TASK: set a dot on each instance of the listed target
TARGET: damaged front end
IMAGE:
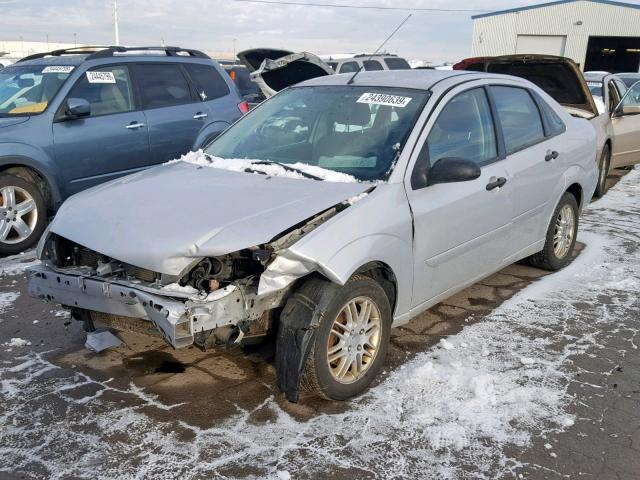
(224, 299)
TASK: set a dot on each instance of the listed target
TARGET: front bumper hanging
(178, 320)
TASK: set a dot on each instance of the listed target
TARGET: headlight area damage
(226, 299)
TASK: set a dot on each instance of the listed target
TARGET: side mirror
(451, 169)
(77, 107)
(630, 109)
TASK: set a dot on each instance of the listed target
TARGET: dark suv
(70, 119)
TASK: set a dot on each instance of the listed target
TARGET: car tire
(23, 214)
(603, 171)
(561, 236)
(331, 377)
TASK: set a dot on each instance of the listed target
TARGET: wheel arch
(384, 275)
(28, 169)
(577, 191)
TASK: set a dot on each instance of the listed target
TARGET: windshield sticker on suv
(58, 69)
(384, 99)
(101, 77)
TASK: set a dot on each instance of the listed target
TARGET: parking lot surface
(523, 375)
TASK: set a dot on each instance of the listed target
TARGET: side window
(348, 67)
(207, 81)
(464, 129)
(632, 97)
(107, 89)
(162, 85)
(372, 65)
(519, 117)
(553, 123)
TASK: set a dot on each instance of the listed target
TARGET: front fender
(20, 154)
(393, 251)
(208, 134)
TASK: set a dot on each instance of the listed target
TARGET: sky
(212, 25)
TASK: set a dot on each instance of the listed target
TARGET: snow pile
(17, 342)
(17, 264)
(272, 169)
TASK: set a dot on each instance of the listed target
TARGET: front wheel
(351, 342)
(23, 214)
(561, 236)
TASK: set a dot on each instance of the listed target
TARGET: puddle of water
(153, 361)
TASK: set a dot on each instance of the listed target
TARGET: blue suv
(71, 119)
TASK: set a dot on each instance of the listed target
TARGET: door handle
(200, 115)
(134, 125)
(497, 183)
(551, 156)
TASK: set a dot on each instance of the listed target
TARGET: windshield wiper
(288, 168)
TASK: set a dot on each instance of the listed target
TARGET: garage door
(541, 44)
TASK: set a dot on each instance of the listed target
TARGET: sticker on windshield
(58, 69)
(101, 77)
(384, 99)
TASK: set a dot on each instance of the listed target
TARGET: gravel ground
(523, 375)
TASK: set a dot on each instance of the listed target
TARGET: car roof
(417, 79)
(71, 60)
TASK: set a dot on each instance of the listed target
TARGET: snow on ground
(451, 412)
(273, 169)
(17, 264)
(6, 299)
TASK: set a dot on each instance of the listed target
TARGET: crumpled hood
(164, 218)
(8, 121)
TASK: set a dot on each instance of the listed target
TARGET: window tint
(349, 67)
(553, 123)
(372, 65)
(162, 85)
(464, 129)
(395, 63)
(107, 89)
(207, 81)
(519, 117)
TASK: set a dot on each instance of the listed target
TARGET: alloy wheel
(18, 214)
(565, 231)
(354, 340)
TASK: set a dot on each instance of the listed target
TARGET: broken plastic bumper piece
(177, 319)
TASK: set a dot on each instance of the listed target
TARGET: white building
(596, 34)
(17, 49)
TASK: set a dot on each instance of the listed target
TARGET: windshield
(595, 88)
(27, 90)
(359, 131)
(629, 80)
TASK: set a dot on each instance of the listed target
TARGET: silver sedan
(333, 211)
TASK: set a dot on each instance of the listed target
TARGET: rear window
(242, 79)
(162, 85)
(348, 67)
(519, 117)
(207, 81)
(395, 63)
(372, 65)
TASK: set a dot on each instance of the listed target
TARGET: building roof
(550, 4)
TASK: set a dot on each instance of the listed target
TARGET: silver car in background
(331, 212)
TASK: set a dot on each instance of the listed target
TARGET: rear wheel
(603, 167)
(23, 214)
(351, 342)
(561, 236)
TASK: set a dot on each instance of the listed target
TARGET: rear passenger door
(535, 156)
(174, 114)
(220, 105)
(111, 141)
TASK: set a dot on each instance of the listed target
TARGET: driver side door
(462, 230)
(626, 129)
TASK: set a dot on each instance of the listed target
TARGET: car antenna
(378, 49)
